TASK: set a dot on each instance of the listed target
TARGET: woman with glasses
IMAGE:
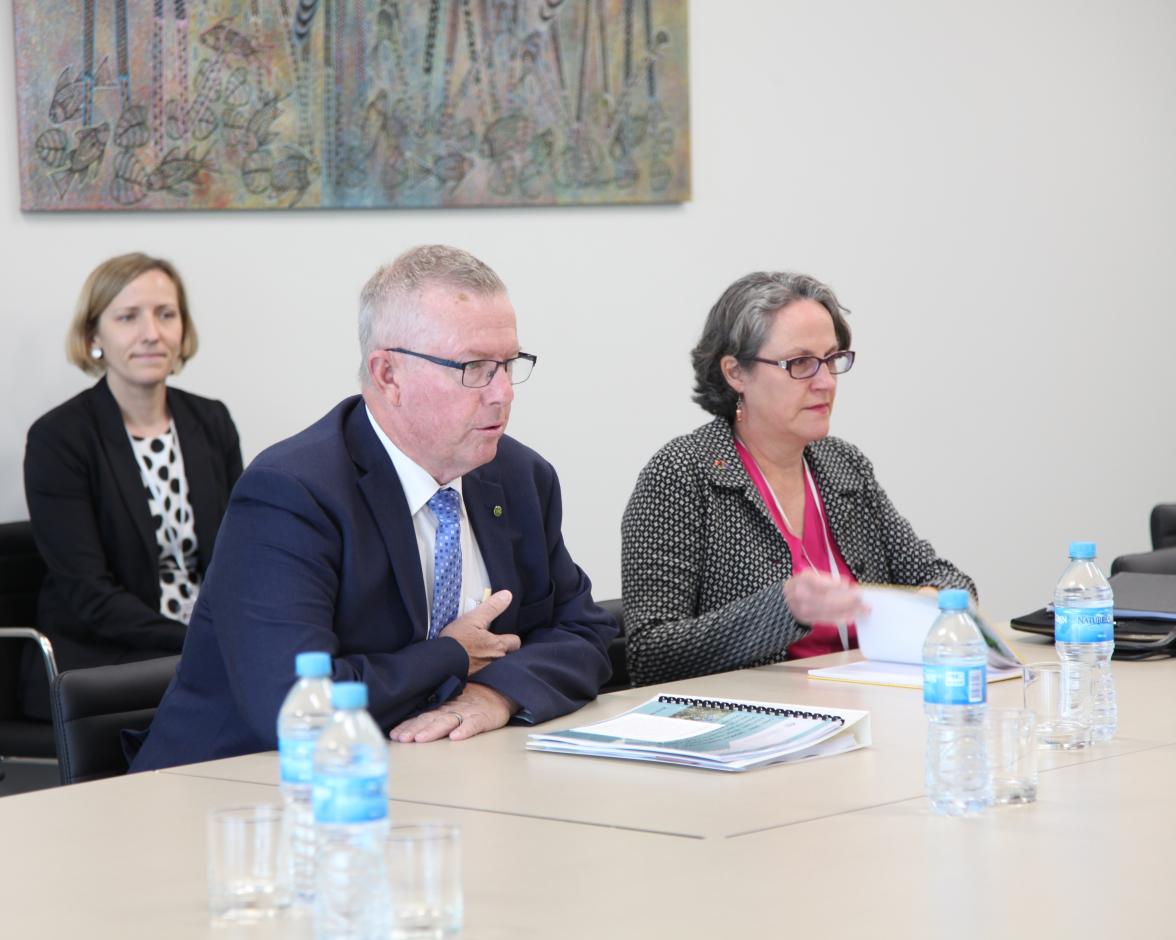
(744, 541)
(126, 482)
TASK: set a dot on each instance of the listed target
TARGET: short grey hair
(738, 324)
(388, 311)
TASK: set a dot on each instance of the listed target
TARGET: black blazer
(99, 602)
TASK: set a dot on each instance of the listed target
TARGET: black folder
(1145, 615)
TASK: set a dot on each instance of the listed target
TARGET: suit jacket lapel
(198, 457)
(494, 530)
(122, 462)
(381, 489)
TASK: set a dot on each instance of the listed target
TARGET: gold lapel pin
(497, 512)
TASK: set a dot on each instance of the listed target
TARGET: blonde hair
(104, 284)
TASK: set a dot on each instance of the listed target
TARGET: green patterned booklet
(716, 734)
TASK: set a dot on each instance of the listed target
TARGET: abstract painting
(281, 104)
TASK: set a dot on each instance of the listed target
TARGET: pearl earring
(96, 352)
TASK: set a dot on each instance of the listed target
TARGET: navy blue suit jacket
(317, 552)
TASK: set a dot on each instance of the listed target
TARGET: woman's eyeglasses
(805, 367)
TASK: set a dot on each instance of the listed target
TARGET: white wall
(989, 186)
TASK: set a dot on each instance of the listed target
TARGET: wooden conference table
(570, 847)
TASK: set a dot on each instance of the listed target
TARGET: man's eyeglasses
(805, 367)
(478, 373)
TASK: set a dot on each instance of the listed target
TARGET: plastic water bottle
(1084, 631)
(955, 697)
(352, 899)
(303, 715)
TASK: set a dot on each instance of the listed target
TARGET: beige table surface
(844, 846)
(495, 772)
(1092, 858)
(125, 858)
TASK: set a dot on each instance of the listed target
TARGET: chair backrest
(92, 706)
(1163, 525)
(1162, 558)
(1161, 561)
(617, 648)
(21, 573)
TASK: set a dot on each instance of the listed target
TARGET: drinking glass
(248, 863)
(1012, 754)
(424, 872)
(1060, 695)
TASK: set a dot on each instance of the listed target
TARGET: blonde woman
(127, 482)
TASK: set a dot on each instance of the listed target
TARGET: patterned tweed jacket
(703, 564)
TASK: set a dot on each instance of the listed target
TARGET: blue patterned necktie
(446, 559)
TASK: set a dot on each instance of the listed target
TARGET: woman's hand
(814, 597)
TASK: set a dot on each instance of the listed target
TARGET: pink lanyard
(762, 484)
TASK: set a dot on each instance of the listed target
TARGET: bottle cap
(349, 695)
(1082, 550)
(954, 599)
(312, 665)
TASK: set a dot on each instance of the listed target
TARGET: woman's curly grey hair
(738, 324)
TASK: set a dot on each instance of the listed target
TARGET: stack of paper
(717, 734)
(891, 638)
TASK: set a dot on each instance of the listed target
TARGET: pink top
(813, 551)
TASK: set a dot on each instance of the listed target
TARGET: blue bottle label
(346, 798)
(955, 685)
(1084, 624)
(296, 759)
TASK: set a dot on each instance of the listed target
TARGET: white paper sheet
(903, 675)
(897, 624)
(656, 729)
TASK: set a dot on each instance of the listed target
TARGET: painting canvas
(280, 104)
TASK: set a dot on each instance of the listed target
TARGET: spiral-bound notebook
(717, 734)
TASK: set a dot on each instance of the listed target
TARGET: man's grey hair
(389, 314)
(738, 325)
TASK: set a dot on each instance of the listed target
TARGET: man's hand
(472, 631)
(479, 708)
(814, 597)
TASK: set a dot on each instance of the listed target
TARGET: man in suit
(404, 534)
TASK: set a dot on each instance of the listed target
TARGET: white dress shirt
(419, 487)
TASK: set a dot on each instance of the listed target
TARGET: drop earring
(739, 409)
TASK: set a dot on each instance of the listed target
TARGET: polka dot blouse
(161, 468)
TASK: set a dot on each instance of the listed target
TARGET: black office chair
(92, 706)
(21, 573)
(617, 649)
(1162, 558)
